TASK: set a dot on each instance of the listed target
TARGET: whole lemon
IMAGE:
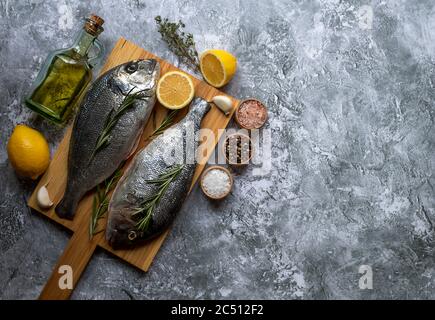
(28, 152)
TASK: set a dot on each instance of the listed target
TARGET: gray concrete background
(352, 118)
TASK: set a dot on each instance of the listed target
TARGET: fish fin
(66, 208)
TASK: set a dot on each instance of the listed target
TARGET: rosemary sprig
(100, 202)
(112, 119)
(179, 42)
(167, 122)
(148, 205)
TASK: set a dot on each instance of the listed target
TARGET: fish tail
(66, 208)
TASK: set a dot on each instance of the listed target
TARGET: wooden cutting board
(80, 247)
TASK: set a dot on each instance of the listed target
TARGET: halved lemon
(175, 90)
(218, 67)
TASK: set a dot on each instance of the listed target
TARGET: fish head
(123, 233)
(138, 76)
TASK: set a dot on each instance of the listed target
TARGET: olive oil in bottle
(65, 74)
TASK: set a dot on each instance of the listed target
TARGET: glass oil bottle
(66, 73)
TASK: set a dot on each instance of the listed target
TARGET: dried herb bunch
(178, 41)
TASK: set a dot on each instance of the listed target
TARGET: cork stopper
(94, 24)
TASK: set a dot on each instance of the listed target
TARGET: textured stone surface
(352, 118)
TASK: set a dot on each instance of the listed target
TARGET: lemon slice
(218, 67)
(175, 90)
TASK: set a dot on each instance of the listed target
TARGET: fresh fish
(86, 169)
(134, 188)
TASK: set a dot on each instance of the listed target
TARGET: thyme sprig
(101, 199)
(166, 123)
(178, 41)
(112, 119)
(148, 205)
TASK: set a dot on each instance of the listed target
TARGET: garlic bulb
(43, 198)
(223, 103)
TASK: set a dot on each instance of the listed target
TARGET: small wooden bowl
(225, 153)
(216, 168)
(236, 114)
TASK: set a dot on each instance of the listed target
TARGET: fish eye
(132, 235)
(132, 68)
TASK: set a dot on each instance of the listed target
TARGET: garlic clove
(223, 103)
(43, 198)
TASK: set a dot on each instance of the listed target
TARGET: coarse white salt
(216, 182)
